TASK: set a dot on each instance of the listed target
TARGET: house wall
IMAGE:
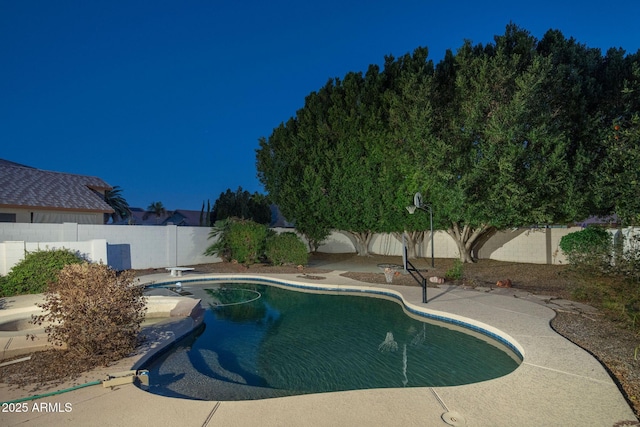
(60, 217)
(22, 215)
(53, 216)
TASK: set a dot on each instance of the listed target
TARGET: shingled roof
(178, 217)
(26, 187)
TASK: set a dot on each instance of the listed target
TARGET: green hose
(53, 393)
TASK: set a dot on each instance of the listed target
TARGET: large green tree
(242, 204)
(292, 165)
(498, 135)
(618, 176)
(497, 159)
(582, 97)
(336, 165)
(411, 112)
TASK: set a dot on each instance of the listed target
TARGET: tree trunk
(414, 238)
(313, 244)
(360, 241)
(466, 238)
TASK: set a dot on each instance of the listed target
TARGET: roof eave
(57, 208)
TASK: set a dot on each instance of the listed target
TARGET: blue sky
(167, 99)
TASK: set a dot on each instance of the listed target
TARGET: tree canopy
(242, 204)
(512, 133)
(157, 208)
(618, 175)
(118, 203)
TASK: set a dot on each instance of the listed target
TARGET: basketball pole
(404, 252)
(415, 273)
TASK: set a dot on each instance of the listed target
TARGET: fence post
(172, 245)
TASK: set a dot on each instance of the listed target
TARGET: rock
(506, 283)
(435, 279)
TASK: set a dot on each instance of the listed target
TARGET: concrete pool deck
(557, 383)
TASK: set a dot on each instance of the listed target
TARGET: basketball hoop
(417, 200)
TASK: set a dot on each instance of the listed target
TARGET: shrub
(456, 272)
(33, 274)
(286, 248)
(611, 284)
(94, 311)
(240, 240)
(219, 232)
(588, 250)
(627, 260)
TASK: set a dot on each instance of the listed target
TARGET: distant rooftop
(27, 187)
(181, 217)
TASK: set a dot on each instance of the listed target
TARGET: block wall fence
(529, 245)
(120, 246)
(138, 247)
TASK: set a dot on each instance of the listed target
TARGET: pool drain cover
(453, 418)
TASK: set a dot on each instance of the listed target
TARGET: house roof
(178, 217)
(185, 217)
(26, 187)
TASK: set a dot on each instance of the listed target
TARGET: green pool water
(261, 341)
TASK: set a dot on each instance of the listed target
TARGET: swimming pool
(260, 341)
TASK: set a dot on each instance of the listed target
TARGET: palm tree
(157, 209)
(118, 203)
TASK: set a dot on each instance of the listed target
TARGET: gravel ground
(616, 347)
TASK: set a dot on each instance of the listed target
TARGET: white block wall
(13, 252)
(139, 247)
(531, 245)
(125, 246)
